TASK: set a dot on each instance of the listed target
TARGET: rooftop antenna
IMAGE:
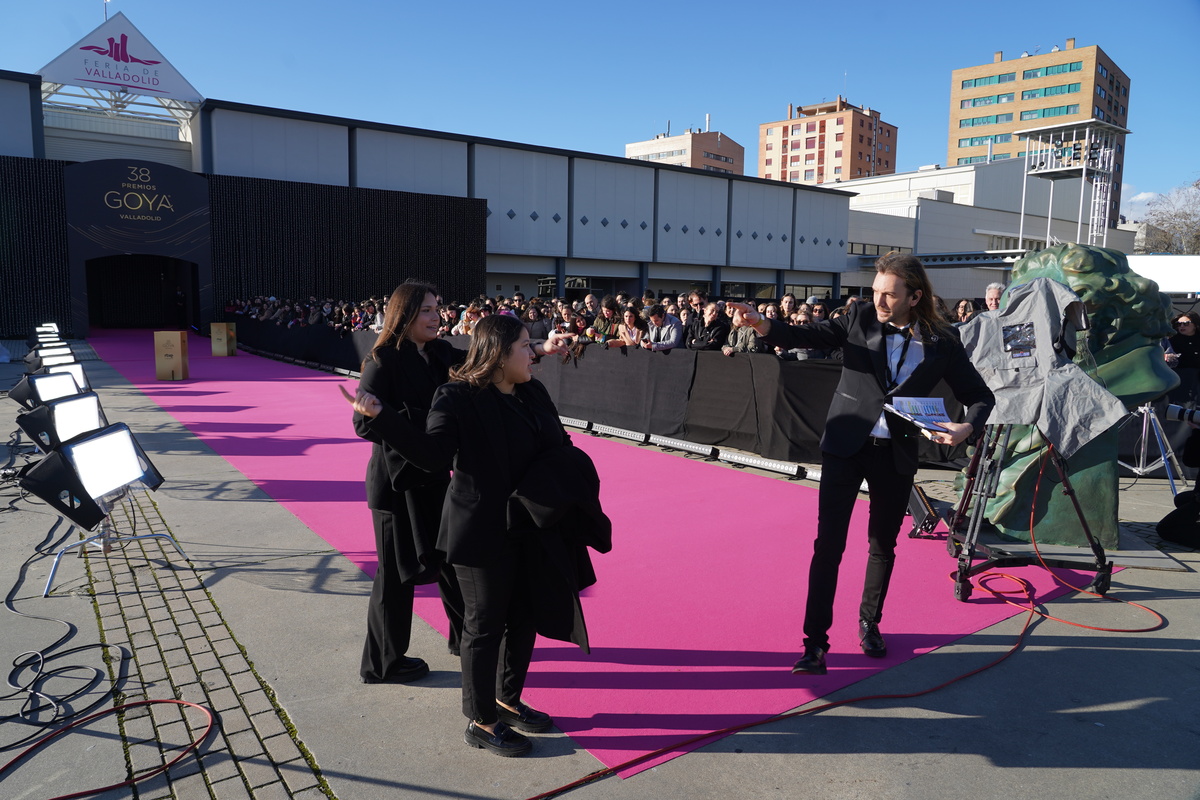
(106, 10)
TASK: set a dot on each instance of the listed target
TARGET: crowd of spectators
(690, 320)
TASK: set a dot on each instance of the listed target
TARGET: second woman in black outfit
(493, 421)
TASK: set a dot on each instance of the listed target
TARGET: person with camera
(897, 346)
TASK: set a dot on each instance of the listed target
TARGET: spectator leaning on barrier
(665, 331)
(604, 326)
(631, 331)
(714, 332)
(694, 322)
(744, 340)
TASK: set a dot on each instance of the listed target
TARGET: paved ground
(264, 626)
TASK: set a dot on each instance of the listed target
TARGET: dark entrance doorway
(142, 291)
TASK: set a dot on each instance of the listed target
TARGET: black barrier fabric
(623, 387)
(722, 407)
(318, 344)
(751, 401)
(792, 398)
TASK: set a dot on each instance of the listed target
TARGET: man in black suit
(897, 346)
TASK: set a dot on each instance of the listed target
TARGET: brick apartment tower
(991, 102)
(712, 151)
(826, 143)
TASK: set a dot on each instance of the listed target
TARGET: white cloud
(1134, 204)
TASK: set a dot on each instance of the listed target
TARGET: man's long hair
(909, 269)
(402, 309)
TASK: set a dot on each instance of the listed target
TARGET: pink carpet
(695, 620)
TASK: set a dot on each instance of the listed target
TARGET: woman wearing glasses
(1186, 346)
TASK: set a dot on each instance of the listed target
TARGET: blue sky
(593, 76)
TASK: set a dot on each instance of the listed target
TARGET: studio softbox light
(87, 475)
(74, 370)
(58, 421)
(34, 390)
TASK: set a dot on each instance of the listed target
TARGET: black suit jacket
(403, 381)
(861, 392)
(465, 427)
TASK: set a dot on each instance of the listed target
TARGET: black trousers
(498, 636)
(889, 493)
(390, 609)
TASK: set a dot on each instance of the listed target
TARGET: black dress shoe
(504, 742)
(812, 663)
(525, 718)
(407, 670)
(871, 639)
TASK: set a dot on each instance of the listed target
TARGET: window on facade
(861, 123)
(837, 153)
(860, 138)
(838, 137)
(810, 143)
(841, 120)
(810, 127)
(810, 160)
(794, 175)
(770, 131)
(795, 159)
(887, 132)
(770, 146)
(767, 176)
(768, 162)
(809, 174)
(795, 130)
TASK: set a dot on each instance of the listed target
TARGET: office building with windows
(826, 143)
(712, 151)
(992, 104)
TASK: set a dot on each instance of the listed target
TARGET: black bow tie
(890, 329)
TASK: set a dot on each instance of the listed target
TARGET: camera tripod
(1166, 459)
(983, 477)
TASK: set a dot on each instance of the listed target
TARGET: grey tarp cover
(1034, 382)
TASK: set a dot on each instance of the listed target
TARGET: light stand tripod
(1166, 459)
(983, 477)
(104, 541)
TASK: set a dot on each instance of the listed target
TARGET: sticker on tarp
(1019, 340)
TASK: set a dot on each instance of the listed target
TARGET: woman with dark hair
(964, 310)
(607, 321)
(1186, 345)
(500, 431)
(404, 369)
(537, 325)
(631, 331)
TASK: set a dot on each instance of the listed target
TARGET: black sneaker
(504, 742)
(407, 670)
(525, 718)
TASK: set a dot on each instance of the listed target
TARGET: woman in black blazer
(493, 422)
(404, 369)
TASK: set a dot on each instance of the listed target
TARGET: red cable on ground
(1030, 608)
(137, 778)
